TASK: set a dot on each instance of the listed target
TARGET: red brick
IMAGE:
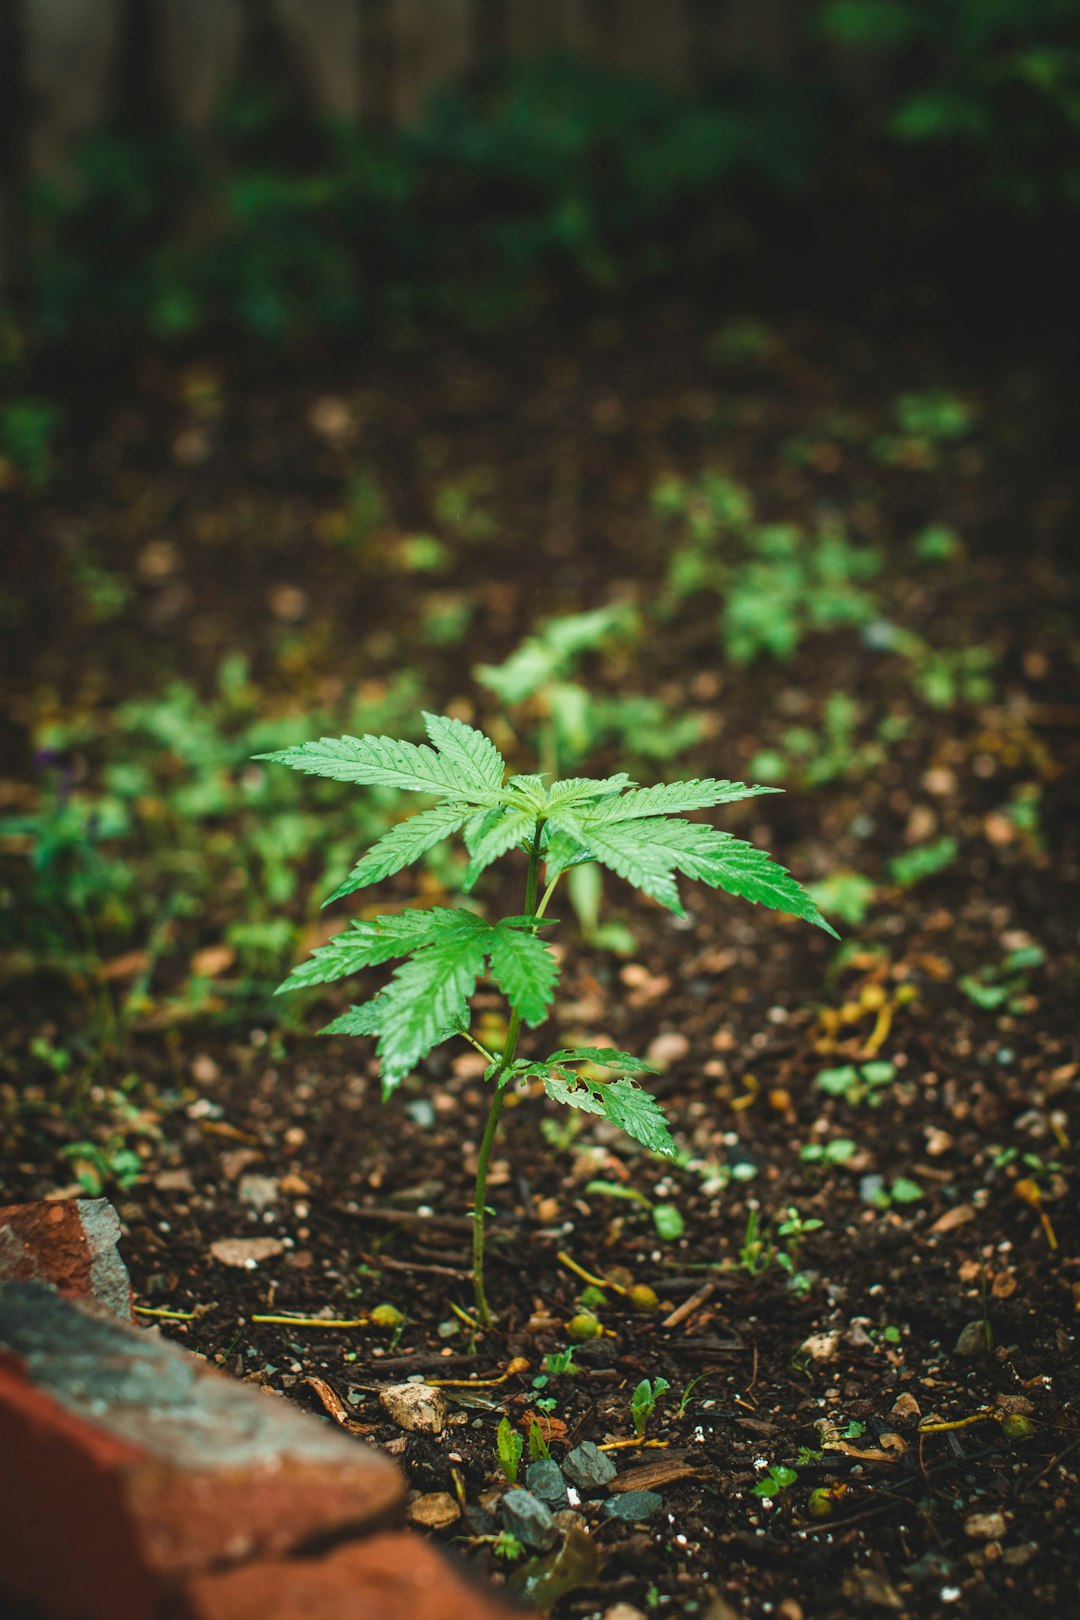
(71, 1245)
(127, 1466)
(386, 1577)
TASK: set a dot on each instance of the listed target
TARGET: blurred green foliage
(990, 89)
(152, 825)
(554, 173)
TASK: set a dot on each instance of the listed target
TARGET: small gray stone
(588, 1467)
(545, 1480)
(634, 1505)
(529, 1519)
(975, 1340)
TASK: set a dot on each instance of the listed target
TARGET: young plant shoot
(637, 832)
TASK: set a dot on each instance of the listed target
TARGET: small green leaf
(638, 1114)
(510, 1446)
(668, 798)
(609, 1056)
(568, 1089)
(503, 828)
(385, 762)
(473, 753)
(583, 789)
(525, 970)
(626, 849)
(365, 1019)
(667, 1218)
(404, 844)
(368, 944)
(428, 994)
(634, 1111)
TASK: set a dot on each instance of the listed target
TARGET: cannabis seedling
(445, 951)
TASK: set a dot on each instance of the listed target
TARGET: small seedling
(561, 1363)
(838, 1151)
(443, 952)
(643, 1403)
(924, 861)
(863, 1083)
(760, 1248)
(777, 1479)
(667, 1218)
(509, 1446)
(539, 1451)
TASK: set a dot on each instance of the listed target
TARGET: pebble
(985, 1526)
(417, 1407)
(588, 1467)
(259, 1192)
(820, 1346)
(973, 1341)
(634, 1505)
(434, 1511)
(545, 1480)
(246, 1252)
(529, 1519)
(667, 1049)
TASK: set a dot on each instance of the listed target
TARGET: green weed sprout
(509, 1446)
(643, 1403)
(443, 952)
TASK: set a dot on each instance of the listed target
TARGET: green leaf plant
(442, 953)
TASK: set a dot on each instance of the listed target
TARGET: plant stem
(501, 1079)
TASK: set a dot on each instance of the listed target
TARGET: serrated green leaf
(637, 1113)
(503, 829)
(510, 1447)
(625, 848)
(583, 789)
(609, 1056)
(525, 790)
(739, 868)
(561, 851)
(366, 1019)
(474, 753)
(525, 970)
(404, 844)
(569, 1089)
(368, 944)
(622, 1101)
(668, 798)
(386, 762)
(429, 994)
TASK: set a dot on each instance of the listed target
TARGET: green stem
(501, 1079)
(548, 892)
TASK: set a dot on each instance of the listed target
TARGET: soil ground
(942, 1286)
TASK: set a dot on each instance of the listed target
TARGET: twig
(1026, 1486)
(384, 1261)
(683, 1312)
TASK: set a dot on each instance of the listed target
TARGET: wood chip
(952, 1218)
(653, 1476)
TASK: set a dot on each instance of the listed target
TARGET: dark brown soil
(961, 1304)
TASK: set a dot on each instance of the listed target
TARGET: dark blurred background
(288, 166)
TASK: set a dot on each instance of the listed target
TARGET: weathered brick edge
(138, 1484)
(71, 1244)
